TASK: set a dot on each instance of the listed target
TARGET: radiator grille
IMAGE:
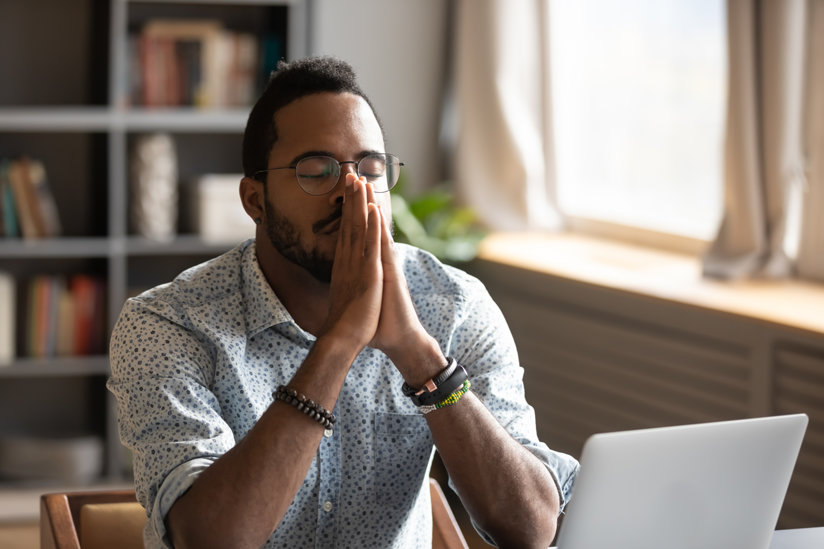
(799, 387)
(588, 373)
(598, 361)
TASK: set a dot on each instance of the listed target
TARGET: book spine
(44, 199)
(8, 309)
(22, 198)
(65, 322)
(88, 301)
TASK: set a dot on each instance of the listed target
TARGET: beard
(286, 239)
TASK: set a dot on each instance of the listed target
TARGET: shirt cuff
(176, 483)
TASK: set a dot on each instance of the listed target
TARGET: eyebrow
(307, 154)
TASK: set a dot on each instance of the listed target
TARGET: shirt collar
(263, 308)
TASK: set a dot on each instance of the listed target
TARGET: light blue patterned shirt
(195, 362)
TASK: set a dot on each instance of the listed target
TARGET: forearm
(493, 474)
(507, 490)
(241, 498)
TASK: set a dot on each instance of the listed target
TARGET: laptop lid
(705, 486)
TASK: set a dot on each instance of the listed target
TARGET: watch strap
(432, 384)
(449, 386)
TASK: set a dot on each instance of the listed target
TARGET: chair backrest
(446, 533)
(91, 520)
(104, 519)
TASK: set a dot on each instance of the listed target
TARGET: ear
(252, 198)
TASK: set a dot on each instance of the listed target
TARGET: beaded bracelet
(448, 401)
(309, 407)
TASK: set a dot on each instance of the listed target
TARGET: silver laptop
(705, 486)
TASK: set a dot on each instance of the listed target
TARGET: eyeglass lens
(319, 174)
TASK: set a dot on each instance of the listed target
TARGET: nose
(336, 194)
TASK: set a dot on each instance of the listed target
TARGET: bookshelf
(68, 99)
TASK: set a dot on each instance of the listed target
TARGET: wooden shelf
(54, 247)
(55, 119)
(56, 367)
(180, 245)
(105, 119)
(82, 130)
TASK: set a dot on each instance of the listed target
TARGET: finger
(359, 215)
(386, 232)
(391, 268)
(346, 213)
(372, 249)
(370, 192)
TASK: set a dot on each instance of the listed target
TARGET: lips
(328, 224)
(331, 227)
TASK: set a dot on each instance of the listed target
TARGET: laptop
(705, 486)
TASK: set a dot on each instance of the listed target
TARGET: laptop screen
(710, 486)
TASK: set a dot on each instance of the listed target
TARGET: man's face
(301, 227)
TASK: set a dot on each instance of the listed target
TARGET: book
(8, 310)
(65, 338)
(27, 199)
(166, 59)
(64, 317)
(11, 227)
(43, 316)
(36, 311)
(31, 223)
(44, 199)
(3, 183)
(89, 314)
(243, 69)
(194, 62)
(214, 211)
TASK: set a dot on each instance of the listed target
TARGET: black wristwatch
(439, 387)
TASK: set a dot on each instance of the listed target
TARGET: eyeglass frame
(340, 170)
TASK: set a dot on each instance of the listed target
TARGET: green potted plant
(434, 222)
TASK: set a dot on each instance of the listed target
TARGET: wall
(597, 359)
(398, 48)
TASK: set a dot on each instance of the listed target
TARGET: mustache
(320, 225)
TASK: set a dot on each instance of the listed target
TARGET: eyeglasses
(317, 175)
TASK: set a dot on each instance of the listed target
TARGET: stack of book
(27, 206)
(194, 63)
(64, 316)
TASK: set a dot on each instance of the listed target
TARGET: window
(639, 91)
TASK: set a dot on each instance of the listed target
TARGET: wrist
(419, 360)
(339, 347)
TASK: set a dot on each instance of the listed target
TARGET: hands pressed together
(369, 300)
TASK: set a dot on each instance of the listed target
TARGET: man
(289, 392)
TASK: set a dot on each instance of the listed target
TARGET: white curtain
(772, 207)
(810, 260)
(773, 222)
(503, 158)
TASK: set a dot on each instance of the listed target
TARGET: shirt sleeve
(167, 416)
(483, 344)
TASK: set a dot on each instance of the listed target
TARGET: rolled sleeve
(167, 415)
(483, 343)
(175, 485)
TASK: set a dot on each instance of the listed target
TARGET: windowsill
(659, 274)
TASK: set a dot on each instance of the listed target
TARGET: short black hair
(291, 81)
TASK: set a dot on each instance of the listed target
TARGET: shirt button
(327, 433)
(327, 506)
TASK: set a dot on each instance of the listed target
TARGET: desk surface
(803, 538)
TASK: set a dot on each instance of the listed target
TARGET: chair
(446, 533)
(91, 520)
(105, 519)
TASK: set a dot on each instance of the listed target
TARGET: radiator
(597, 360)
